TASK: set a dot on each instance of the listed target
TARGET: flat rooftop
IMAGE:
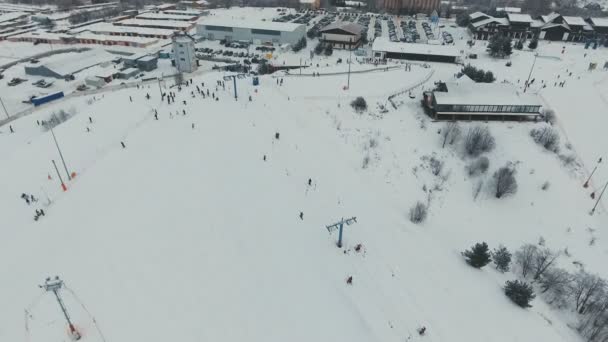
(110, 28)
(500, 94)
(155, 23)
(250, 24)
(385, 45)
(165, 16)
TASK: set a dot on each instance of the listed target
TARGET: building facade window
(218, 28)
(266, 32)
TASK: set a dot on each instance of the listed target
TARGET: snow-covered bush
(545, 186)
(450, 133)
(55, 119)
(478, 256)
(359, 104)
(502, 258)
(478, 166)
(549, 116)
(478, 140)
(546, 137)
(436, 166)
(504, 182)
(520, 293)
(418, 213)
(365, 162)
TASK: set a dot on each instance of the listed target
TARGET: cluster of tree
(479, 256)
(478, 75)
(583, 292)
(299, 45)
(462, 19)
(500, 45)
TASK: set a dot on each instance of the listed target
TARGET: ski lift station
(257, 32)
(385, 49)
(462, 101)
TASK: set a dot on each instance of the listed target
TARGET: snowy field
(192, 231)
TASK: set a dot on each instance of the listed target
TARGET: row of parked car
(391, 31)
(447, 37)
(220, 52)
(427, 29)
(410, 33)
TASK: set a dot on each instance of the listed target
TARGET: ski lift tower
(340, 226)
(54, 285)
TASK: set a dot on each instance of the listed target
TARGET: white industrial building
(257, 32)
(184, 53)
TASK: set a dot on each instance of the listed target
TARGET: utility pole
(592, 172)
(159, 88)
(300, 66)
(59, 175)
(60, 154)
(5, 111)
(234, 80)
(598, 199)
(530, 74)
(340, 226)
(350, 53)
(54, 286)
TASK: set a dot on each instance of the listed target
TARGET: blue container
(37, 101)
(256, 81)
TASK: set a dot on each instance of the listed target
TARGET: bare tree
(554, 278)
(450, 133)
(585, 287)
(546, 137)
(504, 182)
(478, 166)
(524, 258)
(543, 260)
(418, 212)
(478, 140)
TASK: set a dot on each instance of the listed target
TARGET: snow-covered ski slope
(188, 234)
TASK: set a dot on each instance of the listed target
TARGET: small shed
(128, 73)
(94, 82)
(147, 63)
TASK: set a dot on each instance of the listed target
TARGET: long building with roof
(552, 26)
(257, 32)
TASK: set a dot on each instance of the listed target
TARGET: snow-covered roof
(599, 22)
(508, 9)
(110, 38)
(499, 21)
(476, 15)
(385, 45)
(135, 56)
(496, 94)
(537, 23)
(11, 16)
(251, 24)
(129, 71)
(347, 26)
(577, 21)
(355, 3)
(70, 63)
(109, 28)
(105, 73)
(148, 58)
(165, 6)
(184, 12)
(165, 16)
(551, 25)
(155, 23)
(519, 18)
(550, 17)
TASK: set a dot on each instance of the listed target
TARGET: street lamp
(530, 74)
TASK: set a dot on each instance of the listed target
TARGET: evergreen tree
(519, 45)
(478, 256)
(329, 50)
(501, 258)
(533, 44)
(318, 48)
(488, 77)
(500, 46)
(520, 293)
